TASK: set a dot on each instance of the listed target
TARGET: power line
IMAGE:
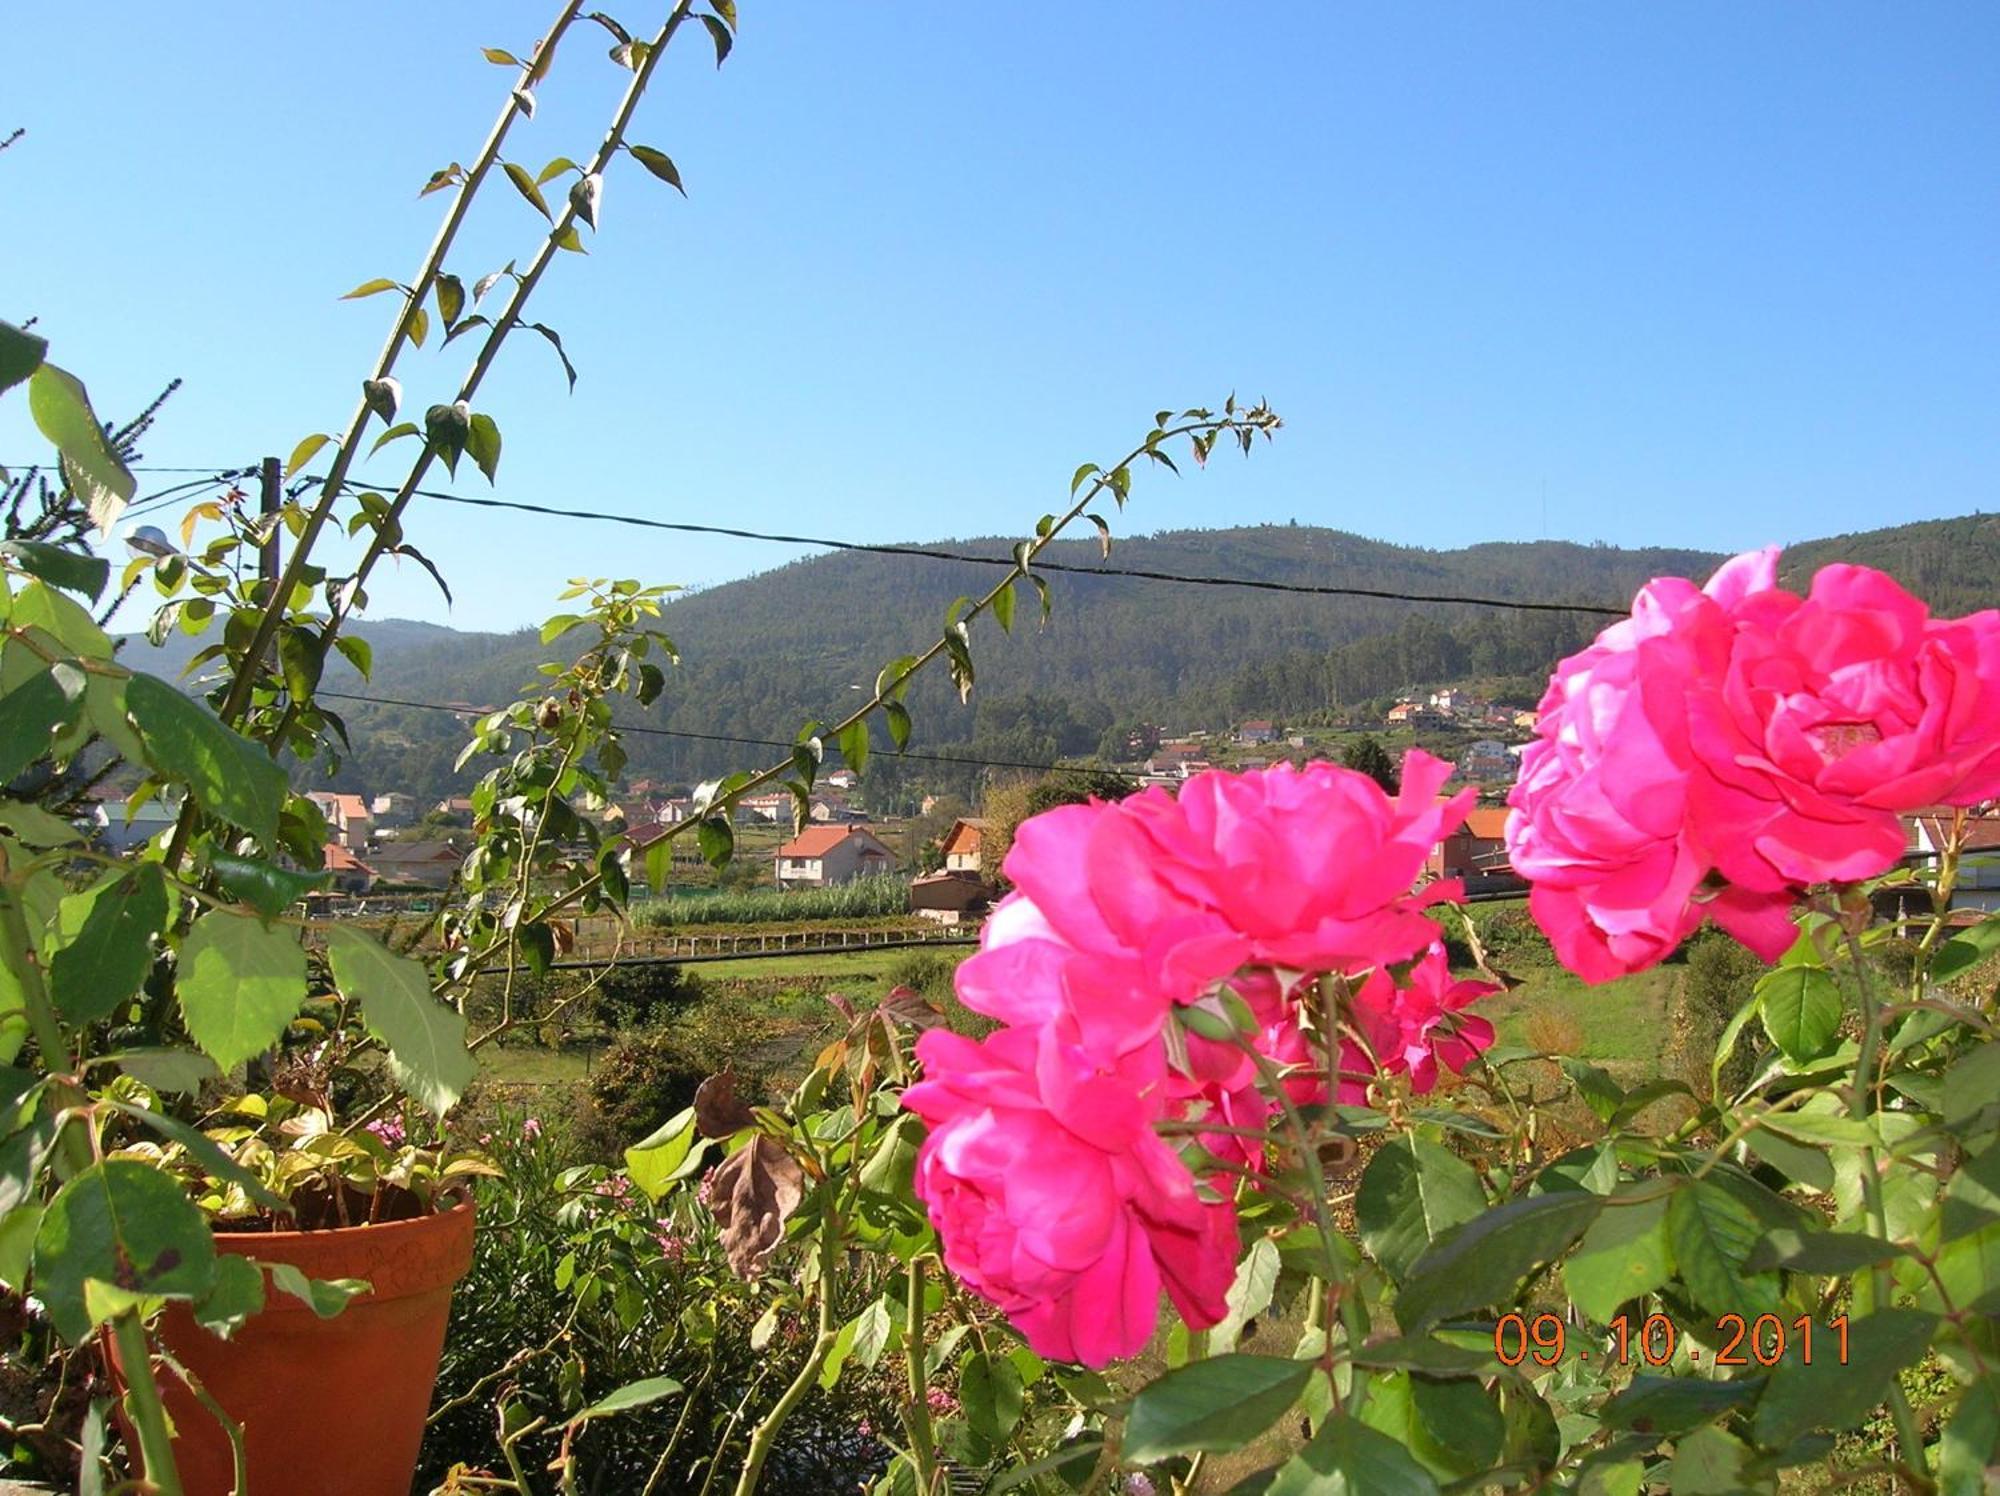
(934, 554)
(718, 737)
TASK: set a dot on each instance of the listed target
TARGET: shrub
(929, 972)
(644, 1078)
(1717, 981)
(643, 995)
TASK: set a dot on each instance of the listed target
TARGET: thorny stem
(766, 1432)
(142, 1392)
(917, 1421)
(276, 606)
(1866, 1083)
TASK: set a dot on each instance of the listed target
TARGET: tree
(1367, 756)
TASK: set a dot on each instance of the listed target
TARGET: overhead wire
(730, 738)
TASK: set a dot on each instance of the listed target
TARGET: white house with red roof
(821, 856)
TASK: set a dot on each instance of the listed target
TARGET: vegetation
(862, 899)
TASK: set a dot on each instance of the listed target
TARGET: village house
(1411, 714)
(962, 843)
(118, 827)
(1476, 852)
(456, 808)
(1977, 888)
(770, 809)
(348, 820)
(841, 779)
(822, 856)
(394, 810)
(949, 898)
(1448, 702)
(419, 864)
(350, 873)
(1257, 732)
(1489, 761)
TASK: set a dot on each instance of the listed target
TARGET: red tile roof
(817, 841)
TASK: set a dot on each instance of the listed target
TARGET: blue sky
(1707, 274)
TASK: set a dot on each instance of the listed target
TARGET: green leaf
(181, 1071)
(1481, 1262)
(35, 827)
(1970, 1442)
(1003, 608)
(1971, 1085)
(1348, 1458)
(228, 775)
(717, 840)
(1082, 473)
(111, 950)
(395, 433)
(1798, 1162)
(203, 1149)
(1965, 950)
(93, 470)
(237, 1294)
(21, 353)
(240, 984)
(326, 1297)
(73, 571)
(357, 651)
(1831, 1394)
(1710, 1462)
(655, 1163)
(1413, 1193)
(1624, 1254)
(500, 56)
(555, 342)
(482, 444)
(898, 717)
(854, 744)
(34, 714)
(17, 1246)
(1249, 1296)
(720, 33)
(1668, 1406)
(631, 1395)
(450, 302)
(264, 886)
(1801, 1007)
(304, 452)
(1221, 1403)
(660, 165)
(426, 1039)
(989, 1388)
(449, 428)
(518, 175)
(1712, 1234)
(1829, 1253)
(126, 1224)
(372, 288)
(1600, 1092)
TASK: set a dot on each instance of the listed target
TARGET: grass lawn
(1622, 1025)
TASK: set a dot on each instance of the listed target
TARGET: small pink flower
(940, 1401)
(532, 1128)
(1417, 1027)
(389, 1130)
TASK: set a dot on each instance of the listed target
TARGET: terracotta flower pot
(328, 1407)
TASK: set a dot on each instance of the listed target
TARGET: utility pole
(270, 496)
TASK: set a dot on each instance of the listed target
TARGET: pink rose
(1053, 1197)
(1722, 749)
(1416, 1027)
(1602, 825)
(1835, 712)
(1122, 910)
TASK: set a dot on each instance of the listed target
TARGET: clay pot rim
(246, 1241)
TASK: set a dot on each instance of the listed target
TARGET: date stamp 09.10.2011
(1739, 1341)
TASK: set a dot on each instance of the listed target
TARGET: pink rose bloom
(1122, 910)
(1601, 823)
(1835, 712)
(1417, 1027)
(1053, 1197)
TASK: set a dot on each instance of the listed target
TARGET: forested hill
(763, 654)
